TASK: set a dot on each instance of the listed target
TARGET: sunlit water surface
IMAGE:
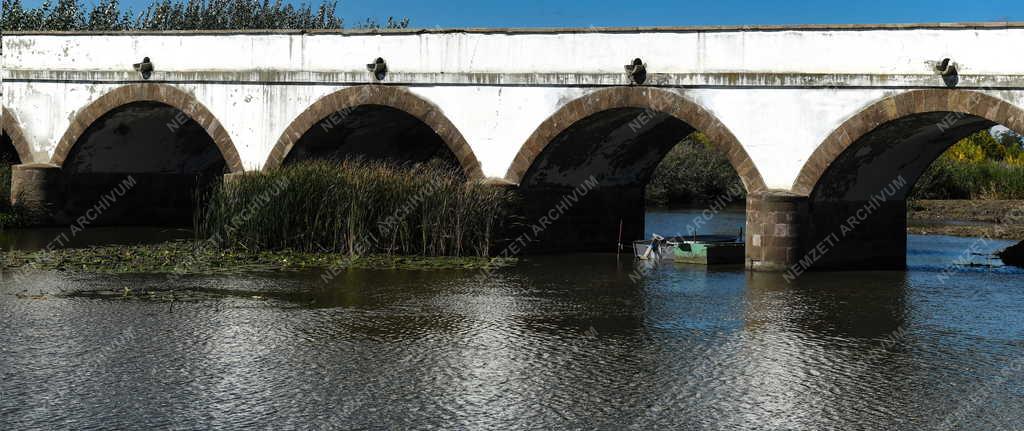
(577, 341)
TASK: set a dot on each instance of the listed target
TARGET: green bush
(693, 171)
(943, 180)
(358, 208)
(986, 179)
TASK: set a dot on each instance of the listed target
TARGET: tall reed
(358, 208)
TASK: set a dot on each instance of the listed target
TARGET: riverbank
(189, 258)
(971, 218)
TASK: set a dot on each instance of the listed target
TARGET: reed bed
(358, 208)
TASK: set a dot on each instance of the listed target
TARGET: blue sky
(584, 13)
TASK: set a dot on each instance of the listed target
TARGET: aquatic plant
(358, 208)
(167, 258)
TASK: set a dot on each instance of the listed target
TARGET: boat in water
(695, 249)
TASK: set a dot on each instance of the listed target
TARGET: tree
(106, 15)
(1013, 142)
(70, 15)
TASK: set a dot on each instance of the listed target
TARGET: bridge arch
(347, 100)
(149, 92)
(644, 98)
(12, 128)
(610, 142)
(857, 182)
(155, 144)
(897, 107)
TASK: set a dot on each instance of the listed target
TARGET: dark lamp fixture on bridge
(947, 69)
(637, 71)
(379, 68)
(145, 68)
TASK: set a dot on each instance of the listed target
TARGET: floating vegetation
(164, 295)
(190, 258)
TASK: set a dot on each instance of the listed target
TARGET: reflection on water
(559, 342)
(700, 221)
(64, 237)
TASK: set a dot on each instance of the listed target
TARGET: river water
(570, 341)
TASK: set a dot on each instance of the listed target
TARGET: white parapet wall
(780, 90)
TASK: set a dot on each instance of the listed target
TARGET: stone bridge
(828, 127)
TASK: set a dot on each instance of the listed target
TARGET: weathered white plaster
(781, 128)
(781, 92)
(894, 51)
(496, 121)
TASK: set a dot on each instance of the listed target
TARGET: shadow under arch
(858, 180)
(606, 146)
(893, 108)
(396, 98)
(149, 92)
(12, 128)
(653, 101)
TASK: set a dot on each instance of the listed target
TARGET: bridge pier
(776, 225)
(793, 234)
(39, 189)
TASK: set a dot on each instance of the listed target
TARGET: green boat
(697, 249)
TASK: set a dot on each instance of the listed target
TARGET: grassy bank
(998, 219)
(356, 208)
(189, 257)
